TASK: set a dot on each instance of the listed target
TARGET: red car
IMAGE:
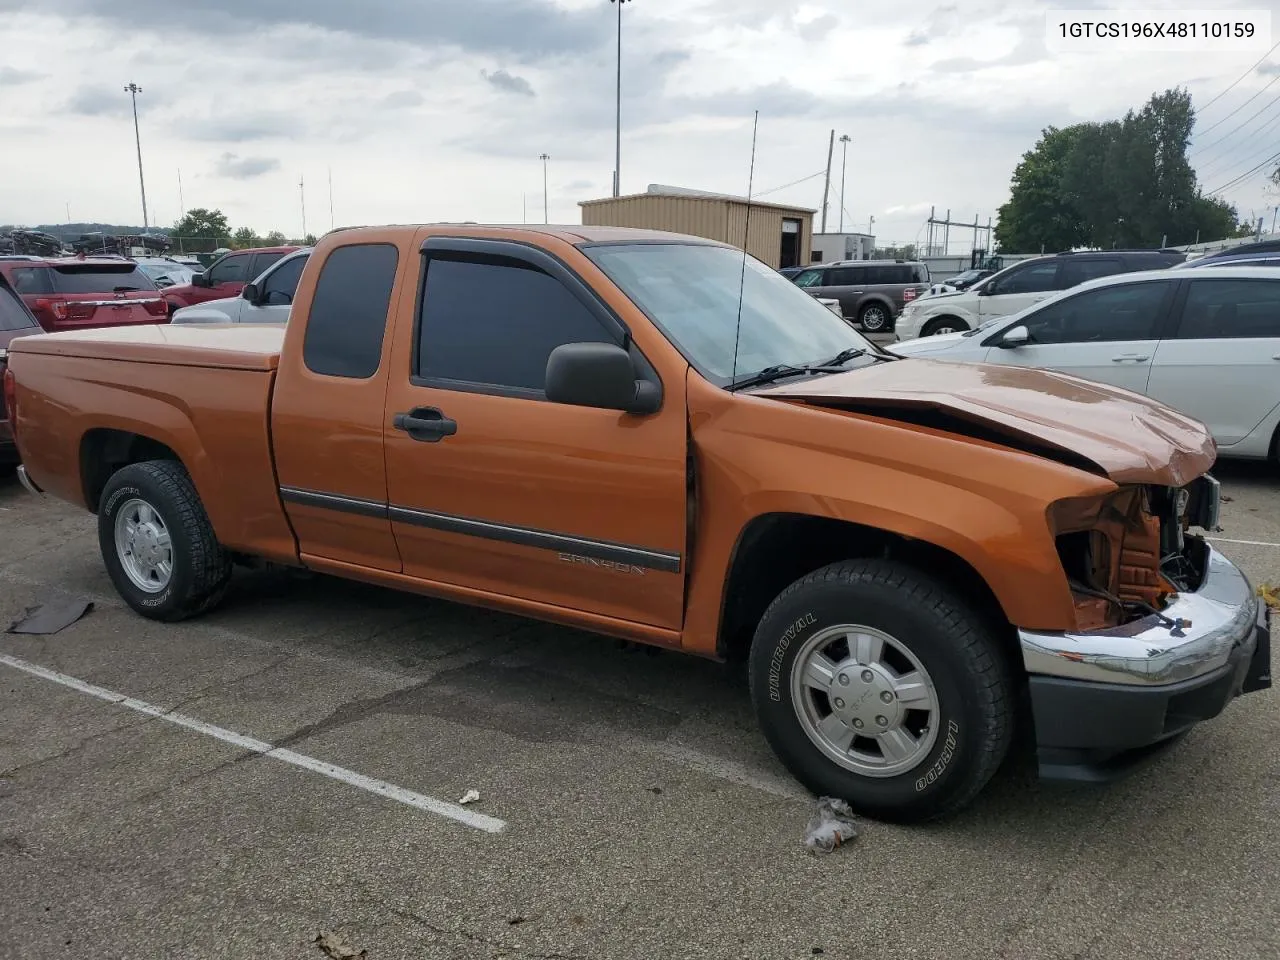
(74, 293)
(226, 277)
(15, 321)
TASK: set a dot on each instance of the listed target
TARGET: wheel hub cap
(143, 546)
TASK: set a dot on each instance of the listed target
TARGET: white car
(266, 300)
(166, 272)
(1206, 342)
(1020, 285)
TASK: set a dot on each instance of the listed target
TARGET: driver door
(1107, 334)
(1018, 289)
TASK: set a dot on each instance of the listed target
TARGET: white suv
(1019, 286)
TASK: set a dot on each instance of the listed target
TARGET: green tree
(309, 240)
(275, 239)
(203, 223)
(1040, 214)
(1122, 183)
(245, 238)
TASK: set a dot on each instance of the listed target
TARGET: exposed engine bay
(1125, 555)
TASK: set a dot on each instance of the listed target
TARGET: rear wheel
(876, 684)
(157, 542)
(943, 325)
(874, 317)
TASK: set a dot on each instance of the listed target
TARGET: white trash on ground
(471, 796)
(832, 825)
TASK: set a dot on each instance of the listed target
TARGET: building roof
(663, 190)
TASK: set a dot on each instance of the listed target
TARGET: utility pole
(302, 193)
(182, 206)
(133, 90)
(617, 157)
(826, 186)
(845, 140)
(330, 198)
(546, 200)
(524, 208)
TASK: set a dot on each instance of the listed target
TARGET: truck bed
(222, 346)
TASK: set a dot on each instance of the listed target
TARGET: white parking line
(1250, 543)
(389, 790)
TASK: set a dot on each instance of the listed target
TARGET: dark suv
(871, 292)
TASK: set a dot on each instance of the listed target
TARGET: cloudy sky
(438, 109)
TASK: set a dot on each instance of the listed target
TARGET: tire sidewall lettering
(779, 657)
(950, 746)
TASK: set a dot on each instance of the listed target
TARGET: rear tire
(874, 317)
(943, 325)
(880, 647)
(157, 543)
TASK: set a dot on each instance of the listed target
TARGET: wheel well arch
(775, 550)
(875, 300)
(103, 451)
(941, 317)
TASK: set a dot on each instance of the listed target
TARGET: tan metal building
(778, 235)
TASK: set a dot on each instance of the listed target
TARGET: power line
(1238, 79)
(1247, 174)
(1274, 80)
(1216, 166)
(1231, 133)
(812, 176)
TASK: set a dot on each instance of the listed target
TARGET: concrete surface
(645, 815)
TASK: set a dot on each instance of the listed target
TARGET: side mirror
(251, 293)
(598, 375)
(1014, 337)
(200, 280)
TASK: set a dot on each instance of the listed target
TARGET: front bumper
(1104, 699)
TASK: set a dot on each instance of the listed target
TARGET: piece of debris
(50, 617)
(1270, 595)
(832, 825)
(1225, 499)
(338, 949)
(471, 796)
(656, 791)
(515, 921)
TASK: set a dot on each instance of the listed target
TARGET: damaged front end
(1168, 631)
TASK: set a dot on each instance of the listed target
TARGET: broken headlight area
(1125, 554)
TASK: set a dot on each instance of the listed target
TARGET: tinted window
(230, 270)
(1128, 312)
(810, 278)
(13, 316)
(1037, 278)
(263, 261)
(280, 285)
(494, 320)
(97, 279)
(1222, 309)
(846, 276)
(30, 280)
(349, 311)
(1078, 271)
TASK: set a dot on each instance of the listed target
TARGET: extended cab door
(326, 415)
(1108, 334)
(1223, 364)
(494, 488)
(1018, 289)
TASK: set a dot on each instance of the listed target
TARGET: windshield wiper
(844, 356)
(769, 375)
(123, 289)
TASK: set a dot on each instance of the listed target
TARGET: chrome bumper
(1194, 636)
(28, 484)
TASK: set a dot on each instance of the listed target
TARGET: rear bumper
(1104, 700)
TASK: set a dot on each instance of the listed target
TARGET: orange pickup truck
(652, 437)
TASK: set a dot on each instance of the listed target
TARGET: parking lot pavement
(641, 813)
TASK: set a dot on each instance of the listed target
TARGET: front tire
(874, 317)
(876, 684)
(157, 543)
(943, 325)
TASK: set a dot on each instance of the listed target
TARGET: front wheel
(874, 683)
(157, 543)
(943, 325)
(874, 318)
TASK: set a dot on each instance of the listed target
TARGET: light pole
(617, 156)
(133, 90)
(546, 203)
(845, 140)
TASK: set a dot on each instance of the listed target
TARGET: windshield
(691, 292)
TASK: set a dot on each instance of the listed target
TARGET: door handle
(425, 424)
(1130, 357)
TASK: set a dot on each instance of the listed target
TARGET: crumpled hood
(1126, 436)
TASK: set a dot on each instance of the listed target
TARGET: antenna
(331, 198)
(746, 237)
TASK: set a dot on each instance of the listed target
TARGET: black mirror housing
(200, 280)
(251, 293)
(598, 375)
